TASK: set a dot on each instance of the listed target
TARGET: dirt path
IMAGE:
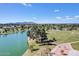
(74, 42)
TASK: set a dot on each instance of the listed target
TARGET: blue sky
(39, 12)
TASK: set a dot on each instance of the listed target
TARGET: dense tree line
(38, 27)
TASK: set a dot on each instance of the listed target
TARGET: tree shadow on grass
(48, 42)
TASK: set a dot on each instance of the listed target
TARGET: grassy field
(65, 37)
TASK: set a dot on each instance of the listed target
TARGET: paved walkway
(64, 50)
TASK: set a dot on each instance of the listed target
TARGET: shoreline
(9, 33)
(42, 51)
(25, 53)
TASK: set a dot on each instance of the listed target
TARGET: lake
(13, 44)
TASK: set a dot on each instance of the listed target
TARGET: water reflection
(0, 36)
(22, 31)
(5, 35)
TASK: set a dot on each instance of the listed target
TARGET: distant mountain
(43, 23)
(22, 23)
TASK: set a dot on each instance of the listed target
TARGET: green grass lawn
(65, 37)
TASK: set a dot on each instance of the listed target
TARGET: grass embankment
(75, 46)
(65, 37)
(36, 50)
(60, 36)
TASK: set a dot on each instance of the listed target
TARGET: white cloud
(26, 4)
(65, 17)
(76, 16)
(34, 17)
(58, 17)
(30, 20)
(56, 11)
(68, 17)
(29, 4)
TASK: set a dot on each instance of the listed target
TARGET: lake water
(13, 44)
